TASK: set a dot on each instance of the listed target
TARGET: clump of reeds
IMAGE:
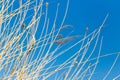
(30, 51)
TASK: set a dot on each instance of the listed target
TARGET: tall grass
(31, 48)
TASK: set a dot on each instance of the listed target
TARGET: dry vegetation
(25, 57)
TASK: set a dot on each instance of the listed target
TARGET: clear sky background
(91, 13)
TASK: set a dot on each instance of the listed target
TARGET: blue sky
(91, 13)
